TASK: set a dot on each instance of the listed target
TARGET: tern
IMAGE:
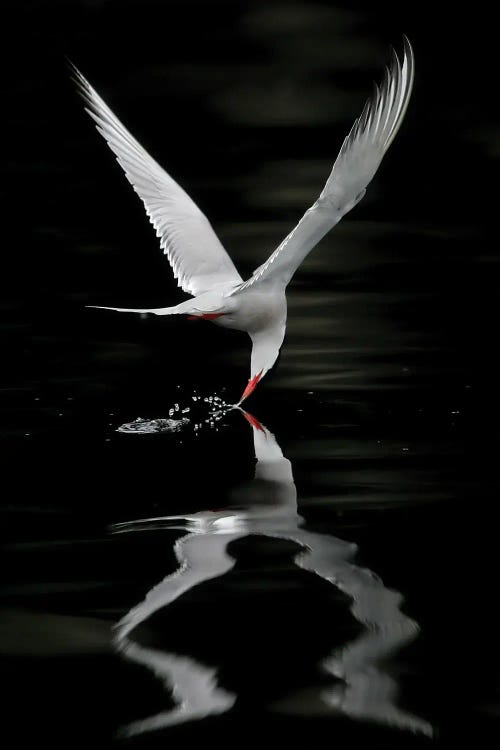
(200, 263)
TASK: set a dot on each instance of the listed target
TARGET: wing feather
(359, 158)
(197, 257)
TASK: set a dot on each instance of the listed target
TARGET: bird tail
(197, 306)
(151, 310)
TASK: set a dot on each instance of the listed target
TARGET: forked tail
(198, 307)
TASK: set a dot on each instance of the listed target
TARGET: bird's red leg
(251, 386)
(205, 316)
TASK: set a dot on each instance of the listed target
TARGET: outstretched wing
(358, 160)
(198, 260)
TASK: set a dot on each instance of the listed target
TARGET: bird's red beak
(253, 421)
(251, 386)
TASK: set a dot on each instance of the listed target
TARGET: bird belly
(253, 312)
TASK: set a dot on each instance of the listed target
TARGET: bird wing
(198, 259)
(358, 160)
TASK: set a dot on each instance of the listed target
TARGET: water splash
(148, 426)
(196, 410)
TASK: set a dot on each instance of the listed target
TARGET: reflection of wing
(193, 686)
(201, 556)
(356, 164)
(198, 260)
(367, 692)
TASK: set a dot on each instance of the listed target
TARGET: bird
(200, 263)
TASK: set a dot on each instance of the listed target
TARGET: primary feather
(198, 259)
(359, 158)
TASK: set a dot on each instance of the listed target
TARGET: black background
(222, 93)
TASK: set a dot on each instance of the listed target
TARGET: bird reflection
(361, 689)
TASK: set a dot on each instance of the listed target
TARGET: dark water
(331, 577)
